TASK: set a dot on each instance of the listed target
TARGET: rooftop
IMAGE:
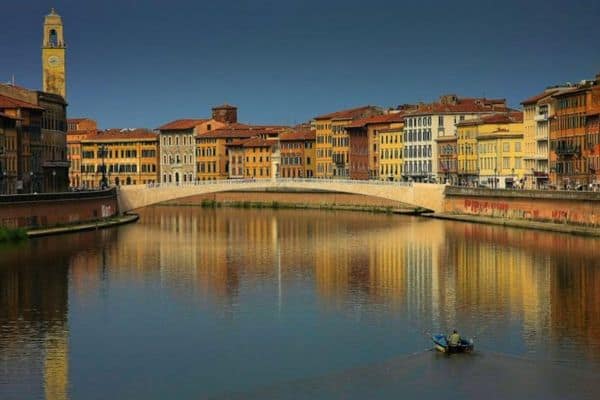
(350, 113)
(452, 104)
(122, 135)
(9, 102)
(298, 135)
(181, 124)
(377, 119)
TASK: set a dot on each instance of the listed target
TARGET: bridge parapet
(422, 195)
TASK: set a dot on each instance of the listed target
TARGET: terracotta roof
(350, 113)
(181, 124)
(121, 135)
(377, 119)
(462, 105)
(258, 142)
(298, 135)
(539, 96)
(9, 102)
(497, 118)
(235, 132)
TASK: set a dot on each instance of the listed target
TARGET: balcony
(542, 138)
(568, 150)
(541, 117)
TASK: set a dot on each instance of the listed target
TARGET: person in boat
(454, 339)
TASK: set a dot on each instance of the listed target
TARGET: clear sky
(141, 63)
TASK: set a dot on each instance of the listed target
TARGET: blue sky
(134, 63)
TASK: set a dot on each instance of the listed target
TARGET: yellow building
(466, 144)
(332, 143)
(297, 154)
(390, 153)
(500, 150)
(78, 130)
(130, 157)
(258, 157)
(212, 149)
(53, 56)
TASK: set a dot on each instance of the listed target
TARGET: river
(226, 303)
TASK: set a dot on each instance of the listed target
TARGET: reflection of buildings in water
(387, 260)
(33, 319)
(551, 282)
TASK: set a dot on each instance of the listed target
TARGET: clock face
(53, 60)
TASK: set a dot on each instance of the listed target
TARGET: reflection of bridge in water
(420, 195)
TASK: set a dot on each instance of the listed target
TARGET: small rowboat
(441, 344)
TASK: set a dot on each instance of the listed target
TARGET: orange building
(297, 154)
(364, 149)
(574, 136)
(23, 170)
(8, 152)
(332, 143)
(79, 129)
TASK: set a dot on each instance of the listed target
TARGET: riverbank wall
(555, 207)
(35, 211)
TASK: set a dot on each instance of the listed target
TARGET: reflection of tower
(56, 364)
(53, 56)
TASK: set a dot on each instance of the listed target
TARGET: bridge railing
(234, 182)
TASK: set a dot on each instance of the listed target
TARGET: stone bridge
(426, 196)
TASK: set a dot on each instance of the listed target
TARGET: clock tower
(53, 56)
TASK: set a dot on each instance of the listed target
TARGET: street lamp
(54, 180)
(31, 182)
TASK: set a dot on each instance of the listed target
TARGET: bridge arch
(423, 195)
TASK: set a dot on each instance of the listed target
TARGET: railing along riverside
(278, 180)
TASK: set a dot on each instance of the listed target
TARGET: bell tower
(53, 56)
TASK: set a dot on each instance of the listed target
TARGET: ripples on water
(224, 303)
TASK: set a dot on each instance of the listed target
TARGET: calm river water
(194, 303)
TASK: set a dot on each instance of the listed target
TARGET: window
(517, 147)
(506, 147)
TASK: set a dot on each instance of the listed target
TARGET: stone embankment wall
(576, 208)
(53, 209)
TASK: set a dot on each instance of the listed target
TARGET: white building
(433, 121)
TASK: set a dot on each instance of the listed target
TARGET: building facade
(78, 129)
(53, 174)
(500, 150)
(332, 143)
(434, 121)
(24, 148)
(574, 136)
(178, 150)
(447, 148)
(297, 154)
(119, 157)
(364, 151)
(391, 162)
(8, 154)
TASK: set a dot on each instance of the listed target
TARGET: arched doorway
(117, 181)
